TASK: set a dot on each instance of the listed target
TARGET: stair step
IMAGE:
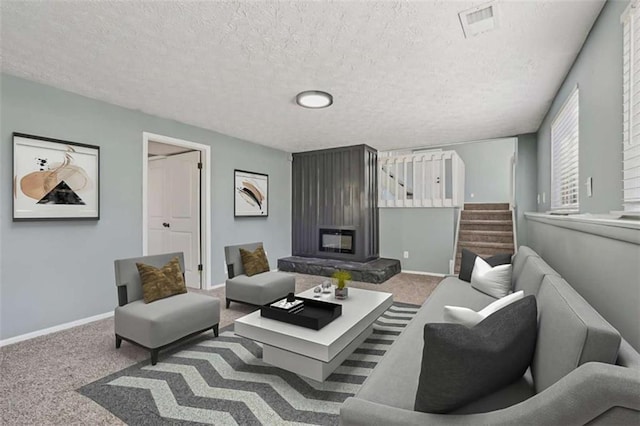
(491, 215)
(486, 236)
(478, 246)
(486, 206)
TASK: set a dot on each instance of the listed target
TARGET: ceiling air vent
(479, 19)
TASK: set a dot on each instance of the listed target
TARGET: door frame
(205, 191)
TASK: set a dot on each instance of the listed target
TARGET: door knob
(166, 225)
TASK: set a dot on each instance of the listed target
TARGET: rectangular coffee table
(316, 353)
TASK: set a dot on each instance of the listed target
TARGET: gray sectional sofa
(582, 370)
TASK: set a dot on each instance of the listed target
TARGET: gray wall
(598, 73)
(487, 169)
(56, 272)
(526, 183)
(605, 271)
(426, 233)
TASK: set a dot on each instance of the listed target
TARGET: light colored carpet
(39, 377)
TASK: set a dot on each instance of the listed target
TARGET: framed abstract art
(251, 194)
(55, 179)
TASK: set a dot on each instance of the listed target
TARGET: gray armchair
(257, 289)
(159, 324)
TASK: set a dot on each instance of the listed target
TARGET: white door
(174, 210)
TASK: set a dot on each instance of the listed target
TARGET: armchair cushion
(158, 283)
(154, 325)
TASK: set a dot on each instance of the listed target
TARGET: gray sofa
(582, 371)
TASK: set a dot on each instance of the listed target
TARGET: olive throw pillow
(254, 262)
(462, 364)
(158, 283)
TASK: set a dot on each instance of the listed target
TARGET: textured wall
(56, 272)
(426, 233)
(598, 73)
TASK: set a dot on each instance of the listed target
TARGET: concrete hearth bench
(375, 271)
(582, 370)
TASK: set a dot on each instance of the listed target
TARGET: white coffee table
(316, 353)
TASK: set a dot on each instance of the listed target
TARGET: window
(631, 109)
(564, 157)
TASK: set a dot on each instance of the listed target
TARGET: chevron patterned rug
(223, 381)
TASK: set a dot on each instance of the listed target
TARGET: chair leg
(118, 341)
(215, 330)
(154, 356)
(228, 303)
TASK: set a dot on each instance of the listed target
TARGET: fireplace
(337, 240)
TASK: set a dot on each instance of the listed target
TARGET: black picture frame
(54, 179)
(250, 194)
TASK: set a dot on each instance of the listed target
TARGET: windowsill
(604, 225)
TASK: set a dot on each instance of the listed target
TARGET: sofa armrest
(581, 396)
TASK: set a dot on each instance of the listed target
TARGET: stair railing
(433, 179)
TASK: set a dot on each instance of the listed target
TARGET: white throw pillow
(494, 281)
(469, 317)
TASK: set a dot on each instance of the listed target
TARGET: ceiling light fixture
(314, 99)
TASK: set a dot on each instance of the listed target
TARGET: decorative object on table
(55, 179)
(326, 286)
(251, 194)
(315, 315)
(318, 291)
(341, 278)
(289, 304)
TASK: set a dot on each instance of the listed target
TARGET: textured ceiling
(401, 73)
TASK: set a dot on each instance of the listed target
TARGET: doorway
(176, 203)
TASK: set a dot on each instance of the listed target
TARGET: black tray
(315, 315)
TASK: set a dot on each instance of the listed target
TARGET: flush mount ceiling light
(314, 99)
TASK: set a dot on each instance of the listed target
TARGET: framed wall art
(55, 179)
(251, 194)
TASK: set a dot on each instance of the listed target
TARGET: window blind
(631, 109)
(564, 156)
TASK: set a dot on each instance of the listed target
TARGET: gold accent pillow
(254, 262)
(158, 283)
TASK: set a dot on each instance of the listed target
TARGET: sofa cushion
(494, 281)
(532, 272)
(254, 262)
(460, 364)
(159, 323)
(158, 283)
(518, 261)
(394, 381)
(570, 333)
(467, 263)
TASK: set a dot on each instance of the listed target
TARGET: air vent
(479, 19)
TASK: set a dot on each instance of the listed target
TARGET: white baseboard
(214, 286)
(433, 274)
(54, 329)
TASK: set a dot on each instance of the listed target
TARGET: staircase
(485, 229)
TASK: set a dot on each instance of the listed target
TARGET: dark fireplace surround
(335, 204)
